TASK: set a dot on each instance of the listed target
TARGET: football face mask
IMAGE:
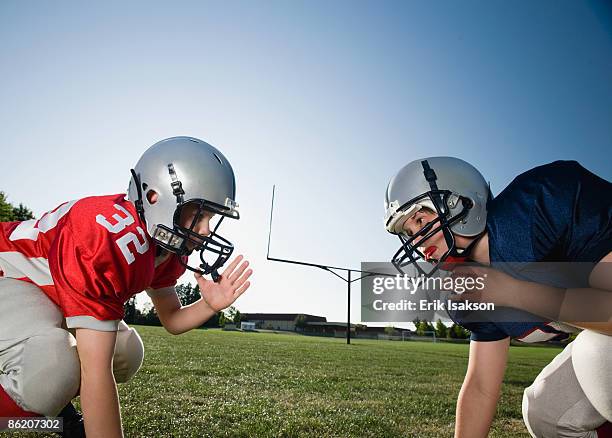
(414, 250)
(214, 250)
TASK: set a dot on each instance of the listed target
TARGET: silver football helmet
(185, 171)
(453, 189)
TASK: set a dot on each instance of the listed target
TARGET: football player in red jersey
(72, 270)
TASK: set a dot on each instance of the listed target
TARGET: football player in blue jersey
(557, 214)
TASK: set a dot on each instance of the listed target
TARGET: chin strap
(453, 259)
(138, 202)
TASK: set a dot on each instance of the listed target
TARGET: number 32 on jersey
(120, 222)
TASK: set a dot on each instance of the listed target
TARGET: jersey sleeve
(94, 275)
(486, 332)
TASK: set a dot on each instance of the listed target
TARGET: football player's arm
(481, 388)
(589, 305)
(99, 399)
(216, 296)
(176, 318)
(592, 306)
(601, 278)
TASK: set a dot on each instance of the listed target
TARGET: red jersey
(88, 256)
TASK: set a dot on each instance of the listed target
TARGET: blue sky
(324, 99)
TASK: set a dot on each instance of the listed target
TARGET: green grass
(214, 383)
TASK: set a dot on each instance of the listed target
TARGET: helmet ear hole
(152, 196)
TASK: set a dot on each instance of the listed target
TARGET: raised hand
(231, 285)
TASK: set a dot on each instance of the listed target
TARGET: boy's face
(434, 247)
(201, 227)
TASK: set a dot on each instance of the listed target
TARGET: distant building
(314, 325)
(247, 326)
(279, 321)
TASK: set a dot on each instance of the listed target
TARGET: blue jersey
(559, 212)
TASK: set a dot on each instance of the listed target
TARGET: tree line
(424, 328)
(12, 213)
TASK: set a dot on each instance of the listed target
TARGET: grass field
(214, 383)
